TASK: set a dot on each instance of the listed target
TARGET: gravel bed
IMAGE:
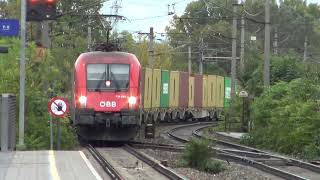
(160, 135)
(233, 172)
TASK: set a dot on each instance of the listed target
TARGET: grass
(198, 154)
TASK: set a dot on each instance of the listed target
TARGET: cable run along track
(250, 156)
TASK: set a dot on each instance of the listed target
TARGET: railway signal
(40, 10)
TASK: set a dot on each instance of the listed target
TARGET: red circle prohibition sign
(58, 107)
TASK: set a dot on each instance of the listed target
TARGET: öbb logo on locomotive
(108, 104)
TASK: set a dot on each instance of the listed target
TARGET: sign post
(22, 73)
(58, 107)
(51, 133)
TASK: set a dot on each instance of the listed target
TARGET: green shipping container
(164, 96)
(227, 91)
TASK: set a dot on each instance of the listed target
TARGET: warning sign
(58, 107)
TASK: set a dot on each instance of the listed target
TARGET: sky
(141, 13)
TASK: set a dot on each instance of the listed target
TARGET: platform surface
(46, 165)
(236, 135)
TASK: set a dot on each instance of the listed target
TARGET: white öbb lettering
(108, 104)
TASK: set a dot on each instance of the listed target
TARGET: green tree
(162, 56)
(142, 52)
(286, 118)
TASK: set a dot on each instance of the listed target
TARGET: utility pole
(266, 72)
(151, 50)
(242, 61)
(89, 35)
(305, 48)
(275, 43)
(22, 73)
(201, 57)
(234, 52)
(116, 6)
(189, 59)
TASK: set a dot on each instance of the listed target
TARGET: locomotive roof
(86, 57)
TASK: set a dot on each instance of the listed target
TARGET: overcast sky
(142, 13)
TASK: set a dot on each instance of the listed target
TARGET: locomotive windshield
(108, 77)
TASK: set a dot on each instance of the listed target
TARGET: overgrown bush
(198, 154)
(286, 118)
(247, 139)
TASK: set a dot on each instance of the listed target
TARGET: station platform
(46, 165)
(229, 136)
(235, 135)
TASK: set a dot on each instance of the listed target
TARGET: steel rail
(153, 144)
(226, 143)
(157, 146)
(170, 132)
(243, 160)
(294, 162)
(261, 166)
(155, 165)
(107, 167)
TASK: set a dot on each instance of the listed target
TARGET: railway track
(126, 162)
(249, 150)
(107, 167)
(156, 165)
(280, 166)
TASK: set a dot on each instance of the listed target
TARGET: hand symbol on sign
(59, 107)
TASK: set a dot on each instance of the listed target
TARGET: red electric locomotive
(106, 96)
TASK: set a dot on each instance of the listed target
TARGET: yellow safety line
(53, 167)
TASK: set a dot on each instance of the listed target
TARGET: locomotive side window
(107, 77)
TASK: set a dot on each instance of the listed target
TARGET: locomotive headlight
(132, 100)
(83, 101)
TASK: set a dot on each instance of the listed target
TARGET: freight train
(106, 96)
(113, 96)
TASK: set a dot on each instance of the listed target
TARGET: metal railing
(8, 110)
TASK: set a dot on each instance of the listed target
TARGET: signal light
(40, 10)
(33, 1)
(51, 1)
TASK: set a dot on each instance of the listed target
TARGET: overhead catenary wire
(257, 14)
(233, 13)
(149, 17)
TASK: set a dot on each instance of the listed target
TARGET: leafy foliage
(39, 75)
(282, 68)
(286, 118)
